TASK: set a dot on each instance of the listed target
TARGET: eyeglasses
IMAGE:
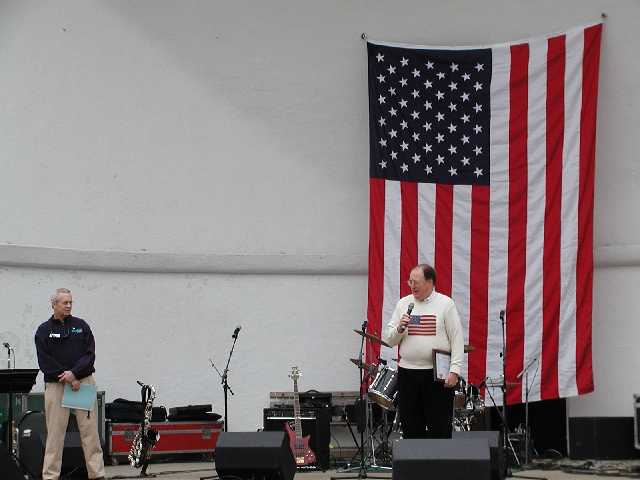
(418, 283)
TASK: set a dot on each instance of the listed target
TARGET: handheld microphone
(409, 310)
(236, 331)
(502, 315)
(6, 345)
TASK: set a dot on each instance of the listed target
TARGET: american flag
(422, 325)
(482, 165)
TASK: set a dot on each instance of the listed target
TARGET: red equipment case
(175, 438)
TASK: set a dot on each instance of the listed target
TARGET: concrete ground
(197, 470)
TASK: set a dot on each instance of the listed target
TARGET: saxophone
(146, 437)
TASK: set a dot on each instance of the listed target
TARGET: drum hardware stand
(384, 431)
(362, 468)
(381, 430)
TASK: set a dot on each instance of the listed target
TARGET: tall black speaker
(259, 455)
(495, 449)
(601, 438)
(315, 421)
(8, 467)
(32, 440)
(459, 459)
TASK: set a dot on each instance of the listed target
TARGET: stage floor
(196, 470)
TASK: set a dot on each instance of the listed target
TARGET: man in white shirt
(421, 322)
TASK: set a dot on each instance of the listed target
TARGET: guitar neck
(296, 409)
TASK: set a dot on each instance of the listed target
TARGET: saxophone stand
(362, 469)
(149, 436)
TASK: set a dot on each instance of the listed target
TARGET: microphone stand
(225, 383)
(9, 433)
(9, 350)
(224, 376)
(503, 387)
(525, 372)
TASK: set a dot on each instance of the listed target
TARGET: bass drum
(32, 438)
(384, 388)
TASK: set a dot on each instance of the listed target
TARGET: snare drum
(384, 388)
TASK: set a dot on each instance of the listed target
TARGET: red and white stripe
(426, 326)
(523, 244)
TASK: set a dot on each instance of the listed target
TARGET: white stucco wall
(187, 166)
(163, 329)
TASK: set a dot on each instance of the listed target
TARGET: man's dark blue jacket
(65, 345)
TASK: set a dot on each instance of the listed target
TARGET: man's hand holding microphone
(405, 319)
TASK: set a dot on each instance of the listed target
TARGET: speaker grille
(254, 455)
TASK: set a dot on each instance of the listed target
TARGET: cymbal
(372, 337)
(469, 348)
(364, 365)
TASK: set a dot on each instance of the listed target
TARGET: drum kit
(383, 421)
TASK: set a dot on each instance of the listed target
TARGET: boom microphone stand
(224, 377)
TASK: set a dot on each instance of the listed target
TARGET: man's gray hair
(54, 297)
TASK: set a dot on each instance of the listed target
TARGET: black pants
(426, 406)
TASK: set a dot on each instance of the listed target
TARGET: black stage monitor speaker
(259, 455)
(8, 467)
(495, 450)
(32, 439)
(459, 459)
(601, 438)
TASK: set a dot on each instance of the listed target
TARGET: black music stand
(17, 380)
